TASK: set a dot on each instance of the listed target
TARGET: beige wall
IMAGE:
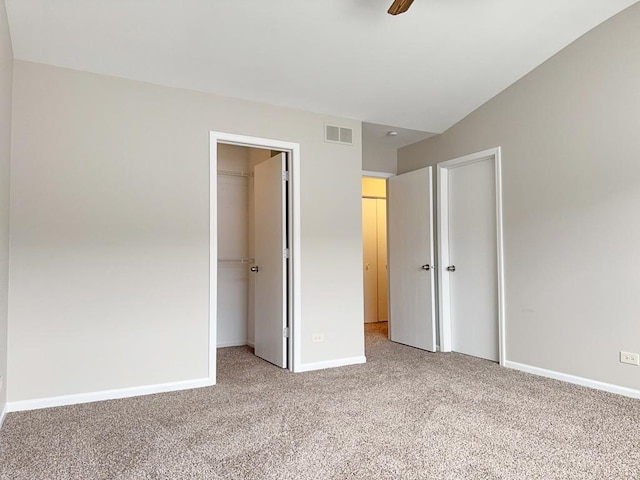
(379, 159)
(6, 74)
(110, 231)
(571, 179)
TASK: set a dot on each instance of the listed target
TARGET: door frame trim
(443, 246)
(295, 291)
(373, 174)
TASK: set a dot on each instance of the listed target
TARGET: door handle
(451, 268)
(255, 269)
(426, 267)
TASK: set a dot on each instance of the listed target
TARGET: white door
(473, 285)
(411, 273)
(270, 266)
(370, 259)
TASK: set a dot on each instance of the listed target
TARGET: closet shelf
(235, 173)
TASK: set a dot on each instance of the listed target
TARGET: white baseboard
(3, 414)
(565, 377)
(60, 401)
(341, 362)
(231, 344)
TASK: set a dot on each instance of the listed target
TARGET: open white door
(270, 262)
(411, 269)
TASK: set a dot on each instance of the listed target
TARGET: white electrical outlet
(630, 358)
(1, 382)
(317, 337)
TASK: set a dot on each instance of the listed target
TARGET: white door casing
(270, 267)
(470, 238)
(410, 259)
(295, 265)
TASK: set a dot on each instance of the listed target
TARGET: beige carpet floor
(406, 414)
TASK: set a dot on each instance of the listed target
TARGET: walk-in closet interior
(236, 243)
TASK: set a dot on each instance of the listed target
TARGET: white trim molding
(63, 400)
(565, 377)
(341, 362)
(295, 292)
(443, 246)
(232, 344)
(373, 174)
(3, 414)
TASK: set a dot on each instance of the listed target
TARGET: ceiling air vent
(335, 134)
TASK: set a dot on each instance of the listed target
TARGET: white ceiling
(423, 70)
(375, 135)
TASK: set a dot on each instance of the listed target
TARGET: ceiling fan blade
(399, 6)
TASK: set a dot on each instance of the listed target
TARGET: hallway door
(411, 256)
(471, 268)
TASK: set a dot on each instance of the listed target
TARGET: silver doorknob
(426, 267)
(451, 268)
(255, 269)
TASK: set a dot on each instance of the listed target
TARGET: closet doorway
(254, 235)
(374, 249)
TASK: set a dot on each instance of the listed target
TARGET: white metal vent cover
(336, 134)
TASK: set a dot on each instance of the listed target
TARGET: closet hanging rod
(235, 173)
(236, 261)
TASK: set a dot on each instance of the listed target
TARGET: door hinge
(285, 253)
(285, 332)
(285, 176)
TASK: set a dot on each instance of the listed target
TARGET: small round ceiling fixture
(392, 133)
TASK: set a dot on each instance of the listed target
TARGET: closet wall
(236, 243)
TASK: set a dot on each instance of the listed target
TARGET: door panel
(472, 249)
(370, 259)
(270, 279)
(410, 234)
(383, 293)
